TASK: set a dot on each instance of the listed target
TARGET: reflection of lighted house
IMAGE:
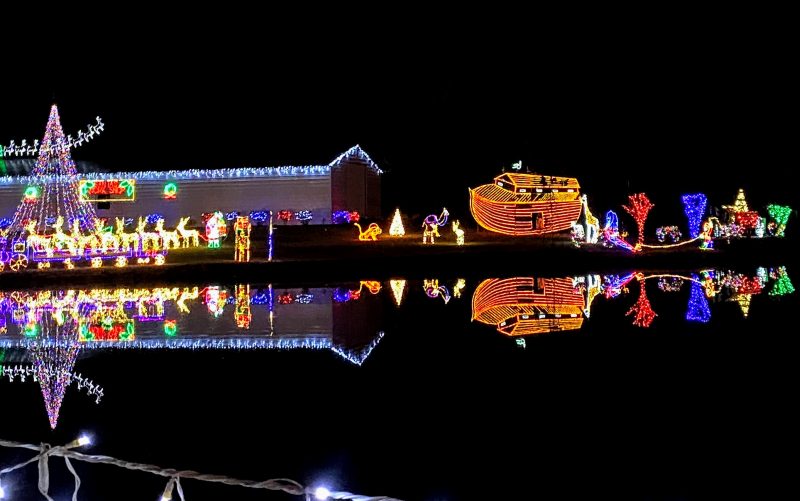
(526, 305)
(526, 204)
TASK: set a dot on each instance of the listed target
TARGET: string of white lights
(26, 149)
(45, 451)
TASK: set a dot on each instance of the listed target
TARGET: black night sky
(442, 101)
(660, 112)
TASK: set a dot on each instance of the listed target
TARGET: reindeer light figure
(187, 235)
(168, 237)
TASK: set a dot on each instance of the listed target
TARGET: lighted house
(350, 182)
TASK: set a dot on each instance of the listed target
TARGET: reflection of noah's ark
(527, 305)
(526, 204)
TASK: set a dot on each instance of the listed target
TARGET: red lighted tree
(642, 311)
(639, 208)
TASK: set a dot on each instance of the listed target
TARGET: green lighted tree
(780, 213)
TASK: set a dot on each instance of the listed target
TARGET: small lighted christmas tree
(396, 229)
(740, 205)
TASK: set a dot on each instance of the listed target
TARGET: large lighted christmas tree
(54, 353)
(53, 190)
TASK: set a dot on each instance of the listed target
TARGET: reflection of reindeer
(371, 233)
(167, 236)
(459, 233)
(430, 227)
(186, 235)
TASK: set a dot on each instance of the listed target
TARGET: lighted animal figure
(459, 233)
(108, 240)
(38, 242)
(61, 239)
(168, 237)
(430, 227)
(188, 235)
(150, 241)
(127, 241)
(371, 233)
(592, 223)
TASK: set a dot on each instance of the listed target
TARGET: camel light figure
(430, 227)
(371, 233)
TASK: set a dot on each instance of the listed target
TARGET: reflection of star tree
(644, 314)
(54, 353)
(58, 192)
(639, 207)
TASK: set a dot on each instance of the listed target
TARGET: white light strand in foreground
(45, 451)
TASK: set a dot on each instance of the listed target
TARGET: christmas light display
(747, 220)
(739, 205)
(780, 214)
(577, 234)
(526, 204)
(304, 216)
(215, 300)
(170, 328)
(54, 353)
(31, 194)
(459, 233)
(614, 285)
(783, 285)
(260, 216)
(216, 229)
(56, 177)
(458, 287)
(706, 236)
(698, 309)
(669, 233)
(643, 312)
(527, 305)
(430, 226)
(170, 191)
(270, 238)
(112, 190)
(25, 149)
(670, 284)
(396, 229)
(592, 232)
(639, 207)
(611, 236)
(242, 229)
(694, 206)
(398, 288)
(243, 314)
(285, 215)
(433, 290)
(370, 234)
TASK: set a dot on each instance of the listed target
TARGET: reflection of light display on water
(526, 305)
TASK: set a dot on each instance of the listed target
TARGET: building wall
(195, 197)
(355, 186)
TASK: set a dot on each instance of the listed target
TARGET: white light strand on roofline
(26, 149)
(45, 451)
